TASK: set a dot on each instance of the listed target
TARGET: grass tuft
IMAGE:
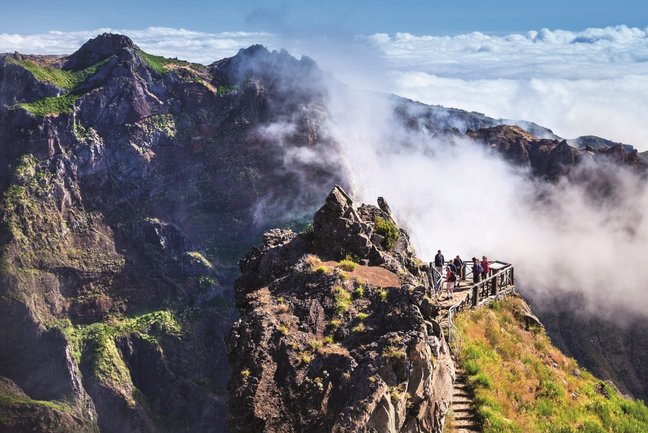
(343, 299)
(388, 230)
(347, 265)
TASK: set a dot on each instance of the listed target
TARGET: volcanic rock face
(131, 186)
(323, 346)
(550, 158)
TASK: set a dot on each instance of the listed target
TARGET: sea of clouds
(593, 81)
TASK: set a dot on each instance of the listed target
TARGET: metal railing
(437, 280)
(501, 282)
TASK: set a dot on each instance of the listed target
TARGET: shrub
(394, 352)
(358, 328)
(343, 299)
(388, 230)
(347, 265)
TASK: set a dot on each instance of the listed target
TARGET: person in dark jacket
(439, 260)
(458, 263)
(476, 270)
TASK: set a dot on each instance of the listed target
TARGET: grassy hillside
(522, 383)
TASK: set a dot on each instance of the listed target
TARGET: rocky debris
(525, 315)
(318, 350)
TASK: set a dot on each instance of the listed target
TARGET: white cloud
(576, 83)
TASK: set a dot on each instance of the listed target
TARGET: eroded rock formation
(328, 346)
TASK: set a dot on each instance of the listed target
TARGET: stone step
(468, 422)
(461, 398)
(466, 430)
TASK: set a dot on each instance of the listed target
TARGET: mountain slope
(522, 383)
(131, 185)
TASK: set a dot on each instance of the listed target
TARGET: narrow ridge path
(464, 416)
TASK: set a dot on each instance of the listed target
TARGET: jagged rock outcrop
(323, 346)
(550, 158)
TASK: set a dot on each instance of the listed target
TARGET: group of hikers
(453, 272)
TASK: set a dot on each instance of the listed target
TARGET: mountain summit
(98, 49)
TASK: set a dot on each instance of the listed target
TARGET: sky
(576, 67)
(322, 16)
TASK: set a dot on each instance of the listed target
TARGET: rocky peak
(97, 49)
(330, 345)
(275, 69)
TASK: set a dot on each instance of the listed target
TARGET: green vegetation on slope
(522, 383)
(389, 230)
(162, 64)
(98, 340)
(67, 80)
(52, 105)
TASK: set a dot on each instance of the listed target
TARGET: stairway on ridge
(464, 417)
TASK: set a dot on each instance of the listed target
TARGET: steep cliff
(337, 333)
(131, 186)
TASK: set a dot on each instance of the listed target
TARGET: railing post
(512, 276)
(494, 287)
(475, 295)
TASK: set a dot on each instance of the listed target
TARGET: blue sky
(322, 17)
